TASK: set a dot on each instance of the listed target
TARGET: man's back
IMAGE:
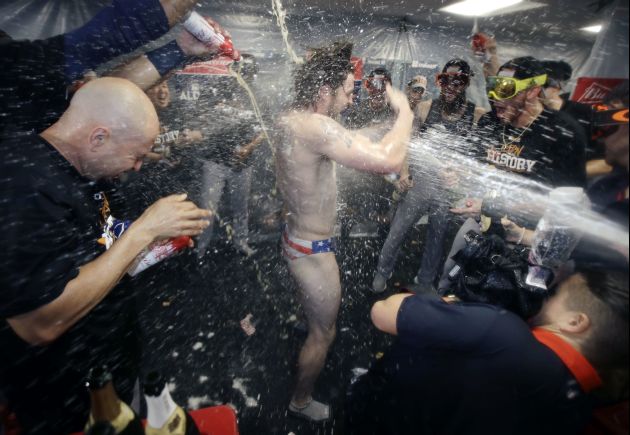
(473, 369)
(307, 180)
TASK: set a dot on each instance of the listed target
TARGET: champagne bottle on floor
(107, 407)
(164, 416)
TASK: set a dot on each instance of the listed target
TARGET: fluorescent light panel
(593, 29)
(478, 8)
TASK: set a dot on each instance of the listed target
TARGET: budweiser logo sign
(594, 90)
(594, 94)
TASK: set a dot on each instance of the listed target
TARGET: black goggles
(606, 120)
(417, 88)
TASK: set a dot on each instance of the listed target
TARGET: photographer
(459, 368)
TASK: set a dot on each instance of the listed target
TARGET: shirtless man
(312, 141)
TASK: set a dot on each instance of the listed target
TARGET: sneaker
(313, 411)
(379, 285)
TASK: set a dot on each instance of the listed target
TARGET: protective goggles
(446, 79)
(417, 88)
(606, 121)
(505, 88)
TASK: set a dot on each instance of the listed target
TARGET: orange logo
(621, 116)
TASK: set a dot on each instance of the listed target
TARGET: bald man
(62, 308)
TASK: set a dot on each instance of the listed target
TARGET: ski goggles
(607, 120)
(446, 79)
(505, 88)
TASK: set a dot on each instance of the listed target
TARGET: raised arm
(175, 10)
(353, 149)
(148, 69)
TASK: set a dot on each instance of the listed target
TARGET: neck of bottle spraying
(160, 408)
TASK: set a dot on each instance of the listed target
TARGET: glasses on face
(606, 121)
(376, 83)
(418, 89)
(446, 79)
(505, 88)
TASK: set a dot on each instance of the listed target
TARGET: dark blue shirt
(475, 369)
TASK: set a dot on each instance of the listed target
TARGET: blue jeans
(419, 200)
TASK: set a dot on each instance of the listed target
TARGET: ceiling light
(478, 8)
(593, 29)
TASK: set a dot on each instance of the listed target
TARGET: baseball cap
(418, 81)
(523, 67)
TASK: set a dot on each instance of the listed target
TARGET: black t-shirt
(32, 85)
(475, 369)
(51, 217)
(232, 128)
(462, 126)
(583, 114)
(608, 196)
(551, 151)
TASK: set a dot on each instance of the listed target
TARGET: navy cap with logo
(381, 71)
(524, 67)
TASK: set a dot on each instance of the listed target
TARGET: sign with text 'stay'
(594, 90)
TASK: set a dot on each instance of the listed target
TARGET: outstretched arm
(148, 69)
(118, 29)
(352, 149)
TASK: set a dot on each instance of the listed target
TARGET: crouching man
(459, 368)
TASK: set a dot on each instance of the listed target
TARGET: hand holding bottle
(173, 216)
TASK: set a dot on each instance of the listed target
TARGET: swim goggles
(504, 88)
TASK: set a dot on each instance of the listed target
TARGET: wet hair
(464, 67)
(619, 94)
(604, 299)
(381, 71)
(558, 71)
(247, 67)
(328, 66)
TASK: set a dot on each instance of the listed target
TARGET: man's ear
(575, 322)
(324, 91)
(98, 138)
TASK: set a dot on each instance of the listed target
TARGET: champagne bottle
(164, 416)
(107, 407)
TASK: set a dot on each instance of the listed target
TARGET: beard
(453, 107)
